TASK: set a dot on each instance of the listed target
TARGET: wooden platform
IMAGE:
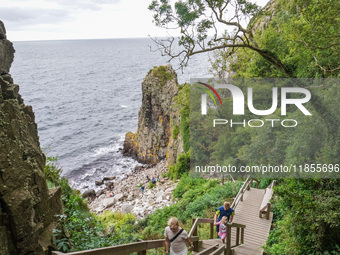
(257, 229)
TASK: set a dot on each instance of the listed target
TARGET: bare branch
(324, 69)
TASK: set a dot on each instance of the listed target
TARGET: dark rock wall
(27, 206)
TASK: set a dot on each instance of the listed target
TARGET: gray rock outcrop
(27, 206)
(150, 143)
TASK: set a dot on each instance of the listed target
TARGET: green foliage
(303, 37)
(52, 171)
(153, 225)
(77, 229)
(187, 183)
(180, 167)
(196, 20)
(151, 185)
(162, 73)
(182, 102)
(196, 197)
(185, 128)
(175, 132)
(307, 218)
(212, 198)
(117, 220)
(302, 34)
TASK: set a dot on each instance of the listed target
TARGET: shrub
(151, 185)
(185, 128)
(175, 132)
(180, 167)
(77, 229)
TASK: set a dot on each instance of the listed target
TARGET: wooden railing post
(141, 252)
(228, 240)
(237, 236)
(268, 210)
(242, 235)
(211, 230)
(195, 234)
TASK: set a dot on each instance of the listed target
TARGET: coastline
(128, 197)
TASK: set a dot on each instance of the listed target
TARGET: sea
(86, 95)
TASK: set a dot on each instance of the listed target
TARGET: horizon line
(79, 39)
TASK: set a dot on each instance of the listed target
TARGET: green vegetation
(196, 198)
(307, 219)
(175, 132)
(182, 104)
(180, 167)
(77, 228)
(151, 185)
(300, 40)
(296, 39)
(162, 73)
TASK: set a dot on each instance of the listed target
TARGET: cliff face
(27, 206)
(153, 139)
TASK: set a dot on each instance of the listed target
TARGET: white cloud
(17, 18)
(78, 19)
(93, 5)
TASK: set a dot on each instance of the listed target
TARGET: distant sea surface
(86, 95)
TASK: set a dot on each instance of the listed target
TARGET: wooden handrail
(193, 228)
(209, 250)
(219, 251)
(239, 239)
(124, 248)
(142, 246)
(239, 235)
(240, 193)
(272, 184)
(266, 205)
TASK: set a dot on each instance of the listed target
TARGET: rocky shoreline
(154, 143)
(126, 195)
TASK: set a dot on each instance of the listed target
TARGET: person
(148, 179)
(142, 188)
(222, 228)
(154, 180)
(176, 237)
(224, 210)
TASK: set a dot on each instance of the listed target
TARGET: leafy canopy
(313, 27)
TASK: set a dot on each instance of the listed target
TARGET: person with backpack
(176, 238)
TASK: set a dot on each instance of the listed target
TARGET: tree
(311, 31)
(233, 24)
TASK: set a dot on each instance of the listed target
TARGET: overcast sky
(27, 20)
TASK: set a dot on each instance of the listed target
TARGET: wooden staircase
(249, 205)
(245, 236)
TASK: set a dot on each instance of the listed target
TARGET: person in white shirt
(176, 238)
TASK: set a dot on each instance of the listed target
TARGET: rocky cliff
(27, 206)
(157, 117)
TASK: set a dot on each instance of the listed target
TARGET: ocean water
(86, 95)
